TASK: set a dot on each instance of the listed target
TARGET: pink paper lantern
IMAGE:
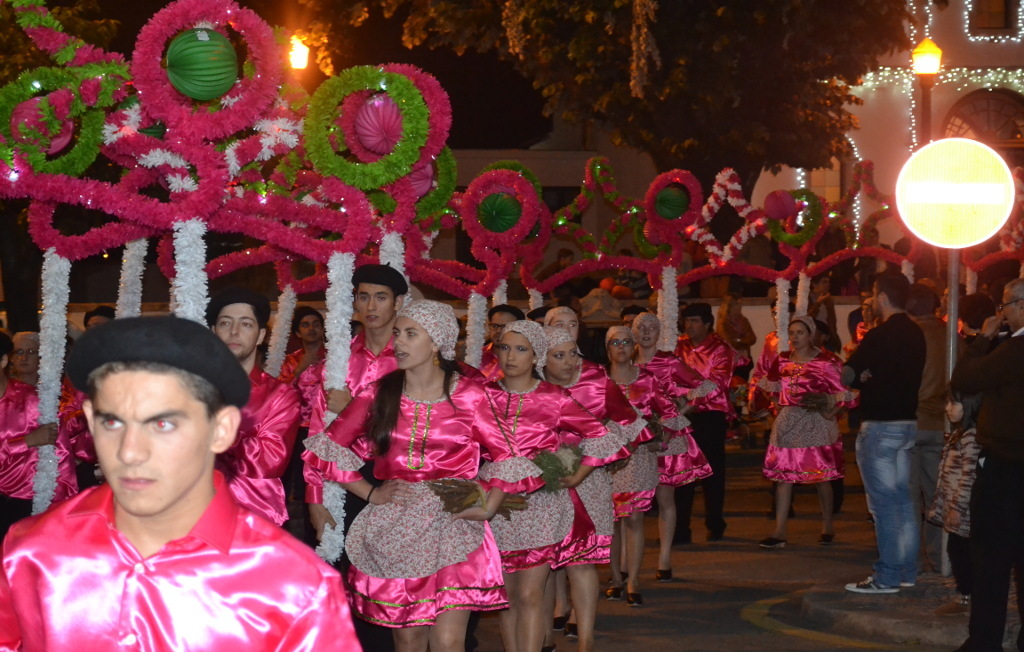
(379, 124)
(422, 178)
(28, 113)
(779, 205)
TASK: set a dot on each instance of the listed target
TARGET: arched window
(993, 116)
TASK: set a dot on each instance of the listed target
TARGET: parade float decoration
(211, 137)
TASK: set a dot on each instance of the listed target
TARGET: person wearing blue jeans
(887, 368)
(884, 456)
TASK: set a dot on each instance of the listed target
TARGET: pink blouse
(364, 369)
(19, 416)
(713, 360)
(601, 397)
(431, 441)
(792, 380)
(255, 462)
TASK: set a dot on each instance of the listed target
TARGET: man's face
(238, 328)
(156, 446)
(311, 330)
(497, 322)
(1013, 311)
(377, 305)
(695, 328)
(25, 356)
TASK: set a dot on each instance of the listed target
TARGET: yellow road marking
(757, 614)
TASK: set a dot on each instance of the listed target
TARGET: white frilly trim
(604, 446)
(392, 251)
(56, 274)
(330, 451)
(512, 470)
(803, 293)
(536, 299)
(844, 396)
(770, 386)
(907, 268)
(338, 328)
(133, 265)
(678, 422)
(476, 317)
(676, 446)
(276, 351)
(189, 288)
(500, 296)
(668, 309)
(970, 281)
(632, 430)
(332, 543)
(700, 391)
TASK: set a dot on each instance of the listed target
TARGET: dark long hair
(384, 412)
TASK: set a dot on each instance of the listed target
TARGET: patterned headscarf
(643, 318)
(555, 313)
(807, 321)
(618, 333)
(556, 335)
(534, 333)
(438, 319)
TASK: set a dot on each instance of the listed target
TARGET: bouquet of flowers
(458, 495)
(557, 465)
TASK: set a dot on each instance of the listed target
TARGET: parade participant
(709, 356)
(254, 463)
(24, 359)
(595, 392)
(629, 313)
(805, 445)
(308, 326)
(97, 317)
(415, 567)
(379, 294)
(21, 435)
(555, 530)
(497, 317)
(886, 368)
(735, 330)
(682, 462)
(162, 558)
(634, 485)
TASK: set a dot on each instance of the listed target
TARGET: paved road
(731, 595)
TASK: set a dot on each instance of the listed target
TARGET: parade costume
(256, 461)
(805, 447)
(234, 582)
(364, 368)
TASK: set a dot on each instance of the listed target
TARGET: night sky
(492, 105)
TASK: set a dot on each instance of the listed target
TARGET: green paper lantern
(202, 64)
(672, 202)
(499, 212)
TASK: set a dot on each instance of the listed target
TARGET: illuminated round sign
(955, 193)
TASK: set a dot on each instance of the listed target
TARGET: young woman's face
(413, 346)
(799, 336)
(515, 355)
(562, 363)
(620, 349)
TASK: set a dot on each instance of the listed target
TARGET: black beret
(98, 311)
(260, 304)
(699, 309)
(173, 341)
(385, 275)
(6, 344)
(301, 313)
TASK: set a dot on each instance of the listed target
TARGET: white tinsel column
(282, 329)
(190, 289)
(971, 281)
(133, 265)
(53, 329)
(500, 296)
(338, 331)
(782, 313)
(803, 294)
(668, 309)
(476, 317)
(907, 268)
(536, 299)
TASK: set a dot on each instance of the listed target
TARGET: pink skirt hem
(627, 503)
(804, 465)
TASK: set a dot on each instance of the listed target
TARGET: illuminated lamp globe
(955, 193)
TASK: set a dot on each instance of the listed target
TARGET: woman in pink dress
(805, 445)
(416, 567)
(555, 530)
(682, 461)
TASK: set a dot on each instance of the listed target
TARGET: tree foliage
(748, 84)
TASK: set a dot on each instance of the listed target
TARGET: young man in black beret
(97, 317)
(254, 464)
(162, 557)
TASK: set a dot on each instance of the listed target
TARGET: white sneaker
(871, 586)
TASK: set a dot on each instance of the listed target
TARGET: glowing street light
(927, 59)
(299, 55)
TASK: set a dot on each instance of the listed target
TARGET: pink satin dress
(19, 416)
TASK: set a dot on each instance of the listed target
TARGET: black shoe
(548, 648)
(826, 539)
(571, 631)
(611, 593)
(682, 539)
(634, 600)
(716, 536)
(663, 575)
(770, 543)
(559, 623)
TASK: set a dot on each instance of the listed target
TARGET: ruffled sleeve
(600, 445)
(340, 452)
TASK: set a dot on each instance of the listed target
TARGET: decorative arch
(994, 116)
